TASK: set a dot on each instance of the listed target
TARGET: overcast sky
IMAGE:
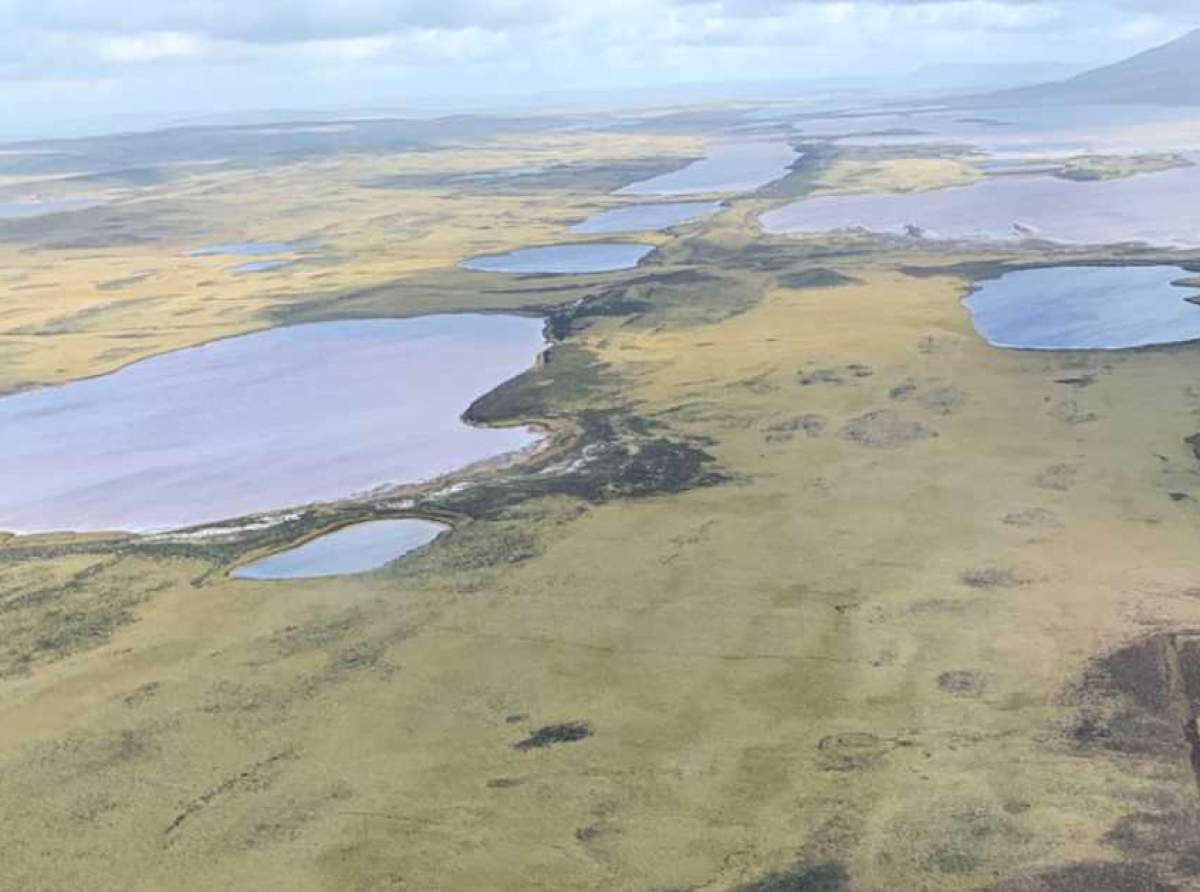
(119, 60)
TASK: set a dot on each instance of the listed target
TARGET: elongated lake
(646, 217)
(354, 549)
(244, 249)
(23, 210)
(562, 259)
(1086, 308)
(731, 166)
(280, 418)
(260, 266)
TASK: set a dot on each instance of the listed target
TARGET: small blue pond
(354, 549)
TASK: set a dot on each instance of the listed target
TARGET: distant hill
(960, 76)
(1165, 75)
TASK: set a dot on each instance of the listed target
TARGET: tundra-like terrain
(806, 587)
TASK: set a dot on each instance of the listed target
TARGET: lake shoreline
(133, 399)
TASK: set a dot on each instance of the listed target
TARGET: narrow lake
(1086, 308)
(731, 166)
(646, 217)
(270, 420)
(354, 549)
(24, 210)
(261, 266)
(562, 259)
(244, 249)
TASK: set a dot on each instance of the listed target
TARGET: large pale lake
(562, 259)
(646, 217)
(280, 418)
(1157, 209)
(353, 549)
(1086, 308)
(731, 166)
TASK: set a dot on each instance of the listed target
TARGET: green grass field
(814, 590)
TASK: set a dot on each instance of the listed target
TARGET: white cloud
(157, 46)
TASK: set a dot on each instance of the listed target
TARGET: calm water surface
(1158, 209)
(1083, 308)
(270, 420)
(354, 549)
(1034, 131)
(244, 249)
(646, 217)
(562, 259)
(24, 210)
(261, 266)
(733, 166)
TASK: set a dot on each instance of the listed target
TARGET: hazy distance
(69, 68)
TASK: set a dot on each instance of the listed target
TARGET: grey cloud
(274, 21)
(760, 8)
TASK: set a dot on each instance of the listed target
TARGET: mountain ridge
(1164, 75)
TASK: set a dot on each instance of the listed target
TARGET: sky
(108, 64)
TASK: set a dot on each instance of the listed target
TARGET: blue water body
(261, 266)
(646, 217)
(271, 420)
(1156, 209)
(1086, 308)
(732, 166)
(562, 259)
(1031, 131)
(24, 210)
(244, 249)
(354, 549)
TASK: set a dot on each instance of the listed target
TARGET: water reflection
(1084, 308)
(270, 420)
(354, 549)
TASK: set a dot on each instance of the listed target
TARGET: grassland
(856, 177)
(88, 292)
(1115, 167)
(816, 590)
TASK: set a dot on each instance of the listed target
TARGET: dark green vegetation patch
(828, 877)
(570, 732)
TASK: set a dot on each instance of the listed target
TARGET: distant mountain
(988, 75)
(1165, 75)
